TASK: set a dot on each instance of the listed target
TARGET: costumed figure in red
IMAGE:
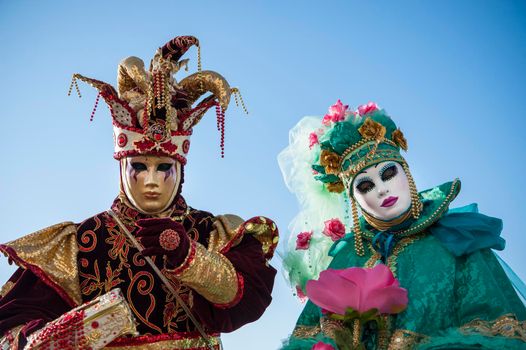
(151, 272)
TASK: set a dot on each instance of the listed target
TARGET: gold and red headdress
(153, 113)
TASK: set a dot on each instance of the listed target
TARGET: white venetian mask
(382, 190)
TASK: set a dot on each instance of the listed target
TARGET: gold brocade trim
(382, 225)
(6, 288)
(505, 326)
(329, 327)
(212, 275)
(54, 251)
(10, 339)
(391, 260)
(306, 331)
(173, 344)
(225, 230)
(404, 339)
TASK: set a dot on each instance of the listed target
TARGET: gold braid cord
(358, 237)
(209, 273)
(53, 252)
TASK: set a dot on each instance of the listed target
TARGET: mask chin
(126, 188)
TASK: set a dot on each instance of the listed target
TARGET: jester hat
(153, 113)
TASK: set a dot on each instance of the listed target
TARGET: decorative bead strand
(218, 115)
(239, 99)
(74, 83)
(416, 205)
(95, 107)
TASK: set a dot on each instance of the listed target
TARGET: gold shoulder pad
(51, 254)
(225, 233)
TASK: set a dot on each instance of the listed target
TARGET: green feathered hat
(353, 141)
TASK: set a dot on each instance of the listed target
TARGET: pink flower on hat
(334, 228)
(322, 346)
(337, 112)
(368, 108)
(313, 139)
(303, 240)
(358, 288)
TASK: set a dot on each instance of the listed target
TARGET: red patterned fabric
(107, 260)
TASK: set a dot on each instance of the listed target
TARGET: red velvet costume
(223, 276)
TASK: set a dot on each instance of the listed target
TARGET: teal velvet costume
(459, 295)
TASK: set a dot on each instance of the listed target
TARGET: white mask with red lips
(382, 190)
(150, 182)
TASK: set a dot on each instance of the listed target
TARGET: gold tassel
(358, 237)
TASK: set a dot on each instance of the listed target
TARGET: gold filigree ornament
(372, 130)
(336, 187)
(399, 139)
(331, 162)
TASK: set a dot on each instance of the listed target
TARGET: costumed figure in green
(360, 208)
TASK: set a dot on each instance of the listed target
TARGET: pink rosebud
(358, 288)
(302, 296)
(313, 139)
(322, 346)
(337, 113)
(303, 240)
(368, 108)
(334, 229)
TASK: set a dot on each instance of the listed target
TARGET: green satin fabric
(450, 281)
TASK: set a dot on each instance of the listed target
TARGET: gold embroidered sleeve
(210, 274)
(51, 254)
(225, 233)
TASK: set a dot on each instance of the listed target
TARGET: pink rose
(368, 108)
(322, 346)
(358, 288)
(337, 113)
(301, 296)
(313, 139)
(303, 240)
(334, 229)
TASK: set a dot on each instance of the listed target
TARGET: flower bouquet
(357, 297)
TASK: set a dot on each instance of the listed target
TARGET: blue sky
(450, 74)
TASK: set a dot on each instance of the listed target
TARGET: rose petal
(387, 300)
(332, 292)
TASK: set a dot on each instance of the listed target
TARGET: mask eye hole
(164, 167)
(137, 166)
(365, 186)
(389, 172)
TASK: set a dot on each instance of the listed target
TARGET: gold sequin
(54, 251)
(210, 274)
(306, 331)
(404, 339)
(6, 288)
(225, 230)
